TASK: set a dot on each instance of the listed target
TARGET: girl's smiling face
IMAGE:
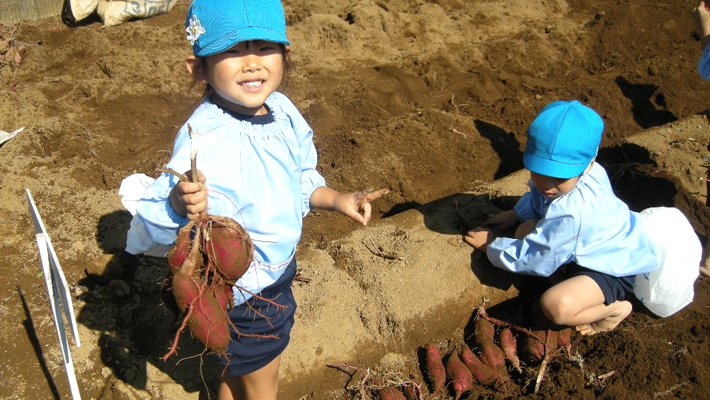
(243, 76)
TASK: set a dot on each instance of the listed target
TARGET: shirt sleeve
(524, 208)
(311, 179)
(156, 215)
(541, 252)
(704, 64)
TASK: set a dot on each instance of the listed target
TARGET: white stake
(58, 291)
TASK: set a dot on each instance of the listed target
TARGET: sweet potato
(186, 283)
(490, 353)
(564, 340)
(390, 393)
(412, 390)
(178, 253)
(227, 244)
(435, 367)
(550, 344)
(459, 375)
(531, 347)
(224, 296)
(482, 373)
(208, 323)
(509, 345)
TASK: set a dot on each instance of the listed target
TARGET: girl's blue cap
(214, 26)
(563, 139)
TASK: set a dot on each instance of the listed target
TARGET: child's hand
(504, 220)
(525, 228)
(189, 199)
(479, 238)
(702, 19)
(356, 205)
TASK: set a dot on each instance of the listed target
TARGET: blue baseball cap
(563, 139)
(214, 26)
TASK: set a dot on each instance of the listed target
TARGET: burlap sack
(81, 9)
(117, 12)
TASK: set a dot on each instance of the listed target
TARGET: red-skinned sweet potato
(459, 375)
(412, 390)
(178, 253)
(490, 353)
(435, 367)
(390, 393)
(564, 340)
(531, 347)
(509, 345)
(208, 323)
(228, 245)
(481, 372)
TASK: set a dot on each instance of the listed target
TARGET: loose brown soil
(429, 98)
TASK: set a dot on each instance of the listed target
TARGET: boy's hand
(189, 199)
(479, 238)
(504, 220)
(356, 206)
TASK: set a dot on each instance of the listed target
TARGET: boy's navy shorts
(248, 354)
(614, 287)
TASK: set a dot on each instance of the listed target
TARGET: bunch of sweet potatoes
(499, 352)
(209, 256)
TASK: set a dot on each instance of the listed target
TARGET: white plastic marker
(5, 136)
(58, 291)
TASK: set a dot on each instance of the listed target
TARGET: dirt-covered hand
(357, 205)
(479, 238)
(503, 220)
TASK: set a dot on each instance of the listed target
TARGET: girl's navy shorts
(614, 287)
(248, 354)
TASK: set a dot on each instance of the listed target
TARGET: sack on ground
(117, 12)
(81, 9)
(669, 288)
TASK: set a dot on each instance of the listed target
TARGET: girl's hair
(201, 66)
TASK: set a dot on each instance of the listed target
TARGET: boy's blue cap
(563, 139)
(214, 26)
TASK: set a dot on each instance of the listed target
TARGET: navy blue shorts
(614, 287)
(248, 354)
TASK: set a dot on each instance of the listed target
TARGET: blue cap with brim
(563, 139)
(214, 26)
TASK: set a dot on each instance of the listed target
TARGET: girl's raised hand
(357, 206)
(189, 199)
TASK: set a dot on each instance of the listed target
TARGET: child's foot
(622, 309)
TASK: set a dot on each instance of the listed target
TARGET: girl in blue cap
(572, 218)
(257, 165)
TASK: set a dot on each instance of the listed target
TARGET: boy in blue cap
(257, 155)
(572, 218)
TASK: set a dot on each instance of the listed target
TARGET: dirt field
(429, 98)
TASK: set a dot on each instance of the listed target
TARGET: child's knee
(556, 308)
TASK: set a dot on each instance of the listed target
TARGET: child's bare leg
(260, 384)
(579, 302)
(705, 262)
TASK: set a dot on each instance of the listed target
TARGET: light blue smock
(260, 175)
(589, 226)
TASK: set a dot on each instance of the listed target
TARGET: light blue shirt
(704, 63)
(589, 226)
(260, 175)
